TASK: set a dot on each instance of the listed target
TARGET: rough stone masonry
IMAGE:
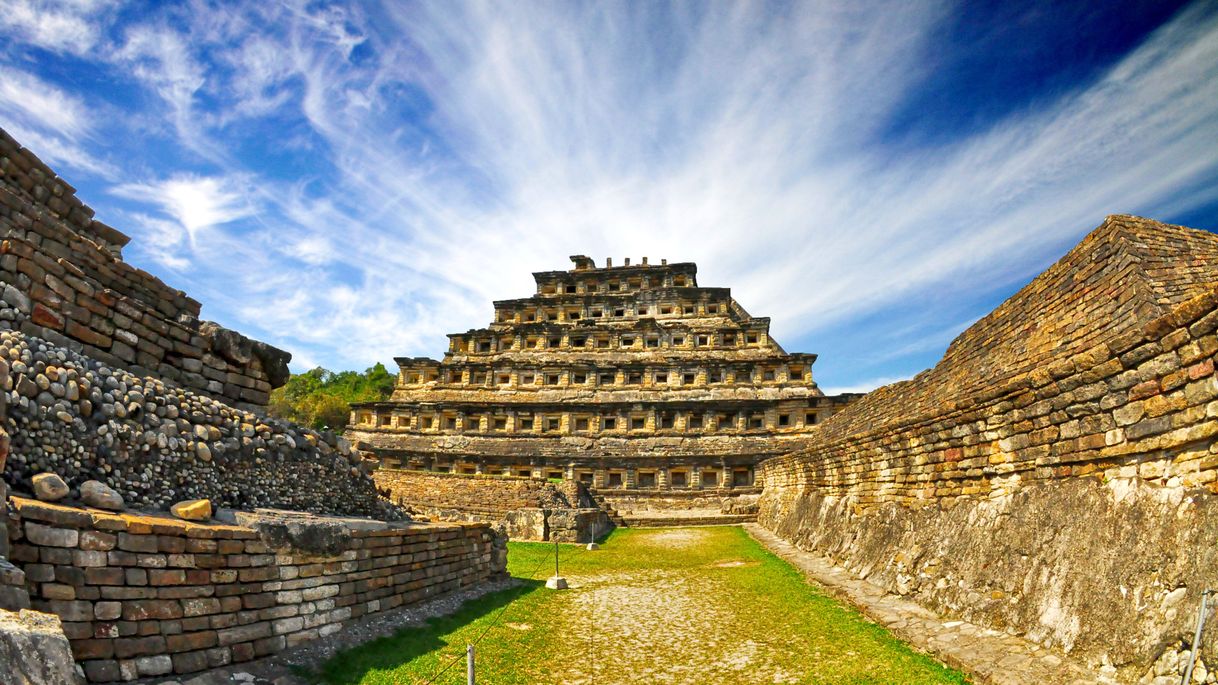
(116, 395)
(63, 280)
(1056, 474)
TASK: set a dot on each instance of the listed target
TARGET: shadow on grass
(390, 652)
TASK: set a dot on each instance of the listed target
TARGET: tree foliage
(321, 399)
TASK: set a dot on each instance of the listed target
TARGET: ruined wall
(146, 596)
(523, 508)
(157, 444)
(1073, 500)
(491, 497)
(631, 501)
(62, 279)
(107, 374)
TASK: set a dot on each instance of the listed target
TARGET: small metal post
(556, 582)
(1192, 654)
(469, 664)
(592, 546)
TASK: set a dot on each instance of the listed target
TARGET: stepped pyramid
(628, 377)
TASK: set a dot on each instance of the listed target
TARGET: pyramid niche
(627, 377)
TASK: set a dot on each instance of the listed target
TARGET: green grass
(706, 605)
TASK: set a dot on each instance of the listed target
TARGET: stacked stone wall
(62, 279)
(490, 497)
(523, 508)
(1074, 502)
(157, 443)
(712, 499)
(148, 596)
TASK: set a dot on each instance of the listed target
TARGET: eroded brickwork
(62, 278)
(524, 508)
(492, 497)
(1056, 474)
(147, 596)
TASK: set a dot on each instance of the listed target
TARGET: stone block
(189, 662)
(125, 648)
(34, 649)
(137, 543)
(145, 609)
(166, 577)
(94, 540)
(154, 665)
(245, 633)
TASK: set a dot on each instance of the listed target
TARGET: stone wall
(523, 508)
(146, 596)
(1056, 474)
(157, 443)
(489, 496)
(62, 279)
(711, 500)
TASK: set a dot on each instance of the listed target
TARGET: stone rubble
(76, 419)
(97, 494)
(49, 487)
(192, 510)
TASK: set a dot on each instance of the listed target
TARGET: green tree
(321, 398)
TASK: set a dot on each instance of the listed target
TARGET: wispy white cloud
(195, 203)
(863, 386)
(71, 26)
(454, 148)
(161, 58)
(163, 240)
(48, 119)
(25, 97)
(753, 153)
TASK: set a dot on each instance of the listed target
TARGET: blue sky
(352, 182)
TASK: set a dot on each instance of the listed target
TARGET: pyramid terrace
(622, 377)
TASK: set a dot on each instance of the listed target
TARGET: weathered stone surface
(63, 278)
(144, 439)
(987, 656)
(98, 494)
(49, 487)
(1054, 475)
(192, 510)
(167, 589)
(34, 650)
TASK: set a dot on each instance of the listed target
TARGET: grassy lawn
(686, 605)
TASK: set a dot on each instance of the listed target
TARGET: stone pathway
(989, 657)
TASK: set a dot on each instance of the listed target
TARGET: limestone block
(192, 510)
(49, 487)
(34, 650)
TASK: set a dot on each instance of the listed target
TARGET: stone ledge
(82, 517)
